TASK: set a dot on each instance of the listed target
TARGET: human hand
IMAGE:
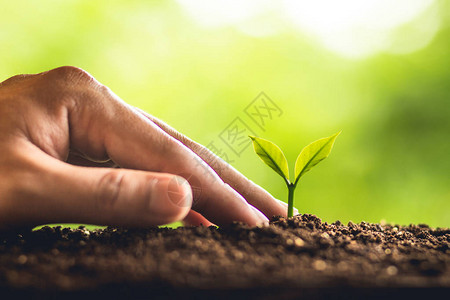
(61, 135)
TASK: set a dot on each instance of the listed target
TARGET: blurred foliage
(391, 161)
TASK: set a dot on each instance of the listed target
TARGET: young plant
(310, 156)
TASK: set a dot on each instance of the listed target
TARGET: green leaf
(313, 154)
(272, 156)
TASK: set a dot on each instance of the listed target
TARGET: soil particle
(297, 258)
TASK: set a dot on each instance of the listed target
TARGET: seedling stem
(291, 189)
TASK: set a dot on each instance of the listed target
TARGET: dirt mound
(301, 257)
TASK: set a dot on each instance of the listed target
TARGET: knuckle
(108, 190)
(70, 73)
(76, 86)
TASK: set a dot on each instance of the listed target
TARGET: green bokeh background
(391, 161)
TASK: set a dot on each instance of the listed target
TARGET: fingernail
(179, 191)
(261, 217)
(167, 194)
(296, 211)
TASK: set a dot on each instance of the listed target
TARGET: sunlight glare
(351, 28)
(357, 29)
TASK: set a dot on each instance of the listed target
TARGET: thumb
(63, 193)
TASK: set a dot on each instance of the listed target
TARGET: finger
(157, 151)
(252, 192)
(102, 126)
(193, 218)
(58, 192)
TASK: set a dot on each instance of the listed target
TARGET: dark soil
(296, 258)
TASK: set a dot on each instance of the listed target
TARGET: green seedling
(310, 156)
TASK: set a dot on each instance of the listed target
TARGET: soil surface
(298, 258)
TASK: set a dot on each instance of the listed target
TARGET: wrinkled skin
(71, 151)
